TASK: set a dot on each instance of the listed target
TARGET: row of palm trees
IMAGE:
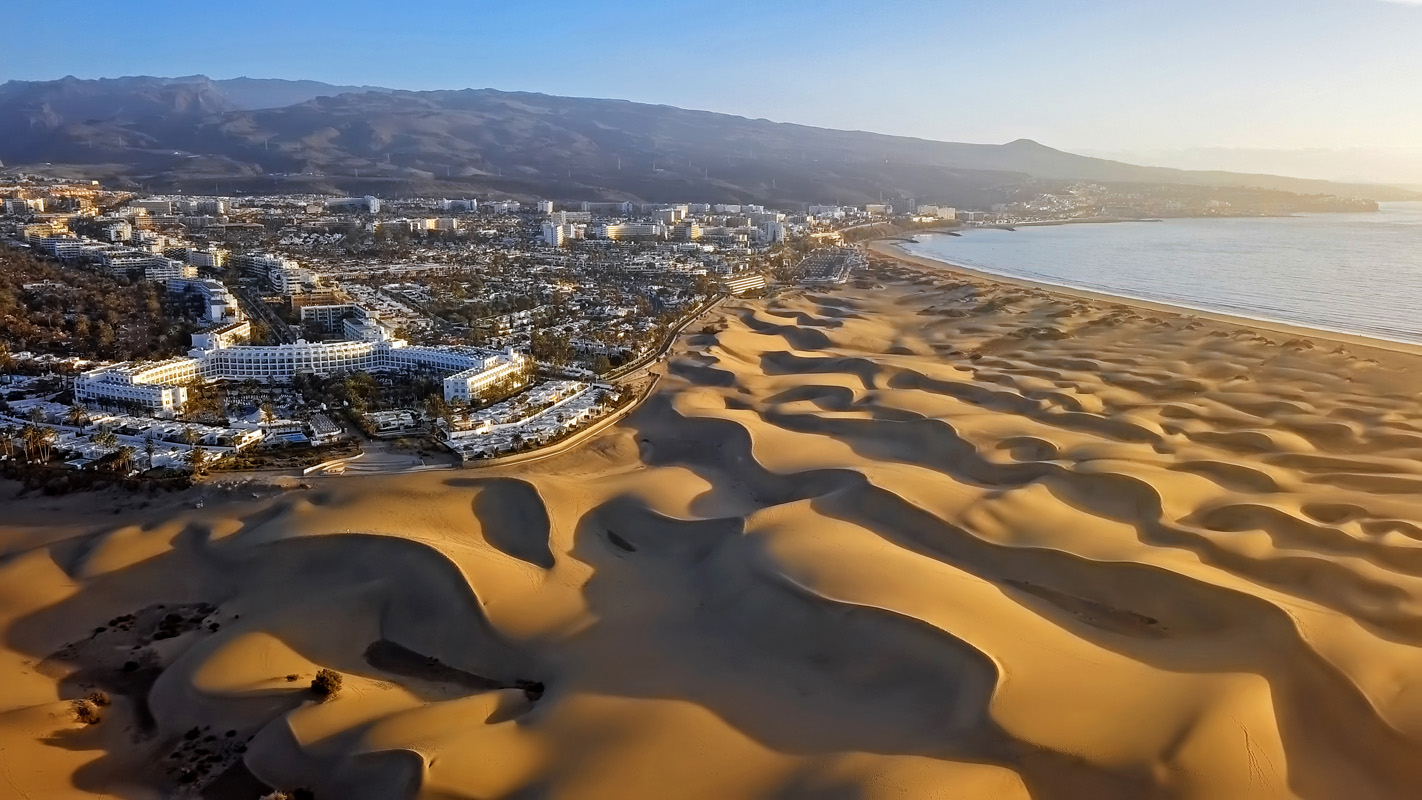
(37, 443)
(36, 440)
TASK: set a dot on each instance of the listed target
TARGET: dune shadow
(514, 520)
(186, 604)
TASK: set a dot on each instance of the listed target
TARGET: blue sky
(1118, 76)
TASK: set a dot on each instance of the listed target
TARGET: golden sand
(934, 537)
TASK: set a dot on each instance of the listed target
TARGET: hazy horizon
(1309, 88)
(1399, 167)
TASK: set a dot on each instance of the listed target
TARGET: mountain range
(250, 135)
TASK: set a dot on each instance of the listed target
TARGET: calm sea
(1356, 273)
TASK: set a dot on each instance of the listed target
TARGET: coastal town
(328, 334)
(318, 333)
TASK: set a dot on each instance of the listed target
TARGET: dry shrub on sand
(86, 711)
(326, 684)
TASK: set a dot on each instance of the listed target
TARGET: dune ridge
(927, 535)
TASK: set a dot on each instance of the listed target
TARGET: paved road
(252, 303)
(641, 364)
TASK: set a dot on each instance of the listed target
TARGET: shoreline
(892, 250)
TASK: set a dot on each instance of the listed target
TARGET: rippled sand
(931, 537)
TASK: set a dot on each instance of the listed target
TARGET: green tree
(436, 407)
(197, 459)
(38, 442)
(122, 460)
(79, 417)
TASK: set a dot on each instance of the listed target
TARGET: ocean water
(1355, 273)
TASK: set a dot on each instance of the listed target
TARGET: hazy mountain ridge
(234, 93)
(253, 93)
(179, 132)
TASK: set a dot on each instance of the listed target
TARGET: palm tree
(197, 459)
(29, 437)
(79, 417)
(37, 440)
(7, 439)
(106, 438)
(150, 448)
(123, 460)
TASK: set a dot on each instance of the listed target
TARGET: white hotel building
(160, 387)
(621, 231)
(157, 386)
(218, 304)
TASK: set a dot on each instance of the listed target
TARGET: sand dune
(940, 536)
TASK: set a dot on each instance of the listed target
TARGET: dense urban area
(154, 338)
(151, 338)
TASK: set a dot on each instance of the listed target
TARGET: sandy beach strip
(893, 249)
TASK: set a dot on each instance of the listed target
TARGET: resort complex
(161, 388)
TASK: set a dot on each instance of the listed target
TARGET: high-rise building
(366, 205)
(559, 235)
(620, 231)
(203, 206)
(22, 207)
(552, 234)
(215, 258)
(218, 304)
(937, 212)
(65, 247)
(772, 232)
(118, 231)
